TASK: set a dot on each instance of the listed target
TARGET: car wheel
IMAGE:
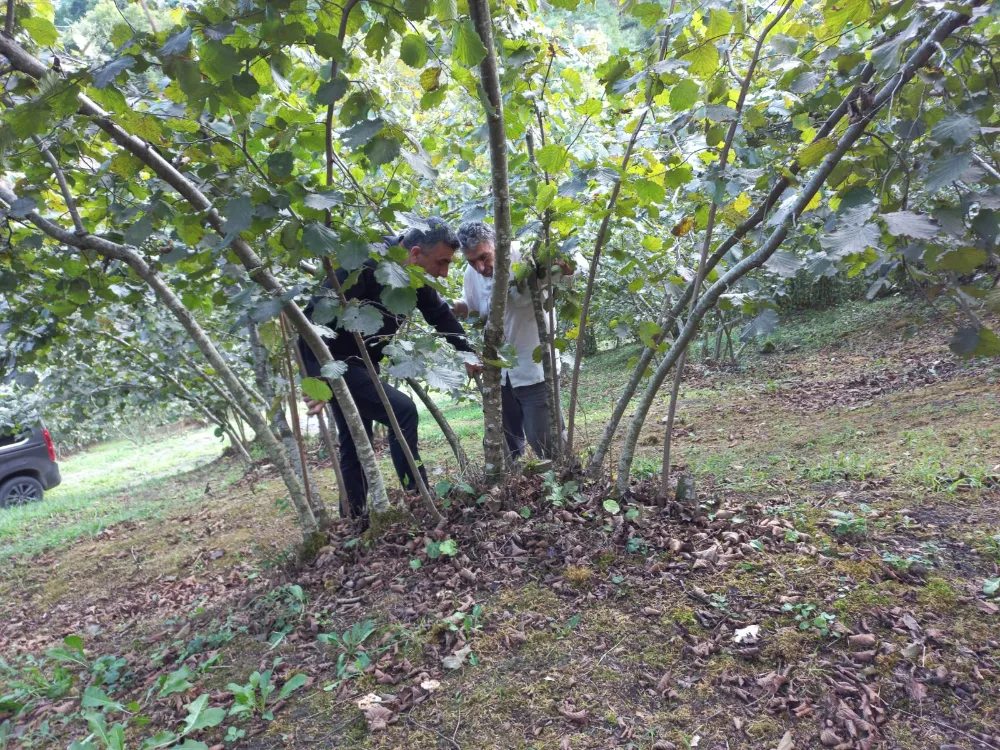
(20, 491)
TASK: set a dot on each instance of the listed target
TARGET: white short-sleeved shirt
(520, 328)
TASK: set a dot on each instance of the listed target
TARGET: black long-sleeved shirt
(368, 289)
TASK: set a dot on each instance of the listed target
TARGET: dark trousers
(526, 419)
(360, 384)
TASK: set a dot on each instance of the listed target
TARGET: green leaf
(199, 716)
(399, 301)
(814, 152)
(292, 685)
(333, 91)
(94, 697)
(41, 30)
(392, 274)
(840, 13)
(973, 342)
(947, 169)
(704, 60)
(361, 133)
(719, 23)
(366, 320)
(684, 95)
(176, 682)
(333, 369)
(159, 740)
(853, 234)
(351, 255)
(106, 75)
(590, 108)
(991, 586)
(329, 46)
(957, 128)
(316, 389)
(611, 506)
(219, 61)
(449, 547)
(176, 44)
(909, 224)
(413, 50)
(430, 79)
(467, 47)
(319, 240)
(382, 150)
(280, 165)
(552, 158)
(648, 191)
(545, 195)
(74, 641)
(960, 260)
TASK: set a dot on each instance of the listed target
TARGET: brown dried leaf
(786, 742)
(378, 717)
(861, 641)
(663, 685)
(577, 717)
(829, 738)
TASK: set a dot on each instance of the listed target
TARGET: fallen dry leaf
(786, 742)
(378, 717)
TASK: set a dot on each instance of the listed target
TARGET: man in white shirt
(525, 401)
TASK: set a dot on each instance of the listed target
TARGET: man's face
(435, 261)
(481, 258)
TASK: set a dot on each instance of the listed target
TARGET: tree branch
(251, 261)
(602, 234)
(952, 21)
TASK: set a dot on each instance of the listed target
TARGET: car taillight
(49, 445)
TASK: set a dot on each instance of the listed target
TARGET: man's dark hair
(437, 231)
(474, 233)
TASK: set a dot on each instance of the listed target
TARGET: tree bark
(703, 259)
(279, 420)
(312, 497)
(493, 441)
(548, 363)
(254, 265)
(646, 356)
(307, 521)
(951, 21)
(425, 495)
(602, 234)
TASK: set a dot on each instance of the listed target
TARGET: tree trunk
(425, 495)
(594, 467)
(493, 442)
(442, 421)
(548, 363)
(703, 258)
(312, 497)
(602, 234)
(951, 21)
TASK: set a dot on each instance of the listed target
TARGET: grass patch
(105, 485)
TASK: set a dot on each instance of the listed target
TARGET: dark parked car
(27, 466)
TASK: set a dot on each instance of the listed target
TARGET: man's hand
(461, 310)
(565, 266)
(315, 407)
(473, 369)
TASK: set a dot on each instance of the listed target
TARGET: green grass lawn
(104, 485)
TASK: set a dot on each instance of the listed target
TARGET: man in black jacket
(432, 249)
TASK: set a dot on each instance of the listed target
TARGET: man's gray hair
(474, 233)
